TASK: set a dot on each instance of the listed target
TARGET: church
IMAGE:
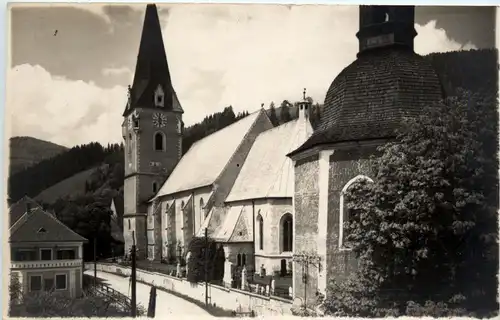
(273, 196)
(237, 182)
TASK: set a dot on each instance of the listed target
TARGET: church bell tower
(152, 132)
(384, 26)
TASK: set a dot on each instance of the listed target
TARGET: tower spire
(151, 72)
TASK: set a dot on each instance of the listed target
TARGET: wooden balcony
(45, 264)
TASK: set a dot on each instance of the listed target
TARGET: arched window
(260, 222)
(238, 260)
(344, 214)
(159, 141)
(286, 233)
(155, 186)
(243, 259)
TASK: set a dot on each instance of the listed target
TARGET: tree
(285, 112)
(196, 261)
(272, 115)
(424, 231)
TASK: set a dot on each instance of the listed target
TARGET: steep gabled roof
(40, 226)
(17, 210)
(267, 171)
(152, 67)
(207, 158)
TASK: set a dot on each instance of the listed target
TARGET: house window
(344, 213)
(45, 254)
(261, 231)
(155, 187)
(136, 124)
(61, 282)
(159, 141)
(25, 255)
(65, 254)
(287, 233)
(35, 283)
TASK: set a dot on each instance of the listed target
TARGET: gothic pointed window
(238, 260)
(260, 221)
(159, 141)
(344, 212)
(286, 233)
(159, 97)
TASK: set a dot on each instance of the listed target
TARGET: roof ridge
(240, 143)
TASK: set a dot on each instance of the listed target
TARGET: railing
(117, 296)
(45, 264)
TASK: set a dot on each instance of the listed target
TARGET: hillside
(28, 151)
(71, 187)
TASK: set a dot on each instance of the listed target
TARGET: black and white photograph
(251, 160)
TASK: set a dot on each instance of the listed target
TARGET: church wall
(228, 176)
(345, 164)
(306, 204)
(271, 210)
(174, 221)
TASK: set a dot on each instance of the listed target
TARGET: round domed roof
(370, 97)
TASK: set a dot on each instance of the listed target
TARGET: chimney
(304, 107)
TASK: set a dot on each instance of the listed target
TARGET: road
(166, 304)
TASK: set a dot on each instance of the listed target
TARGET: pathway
(166, 304)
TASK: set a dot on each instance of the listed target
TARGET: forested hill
(27, 151)
(80, 170)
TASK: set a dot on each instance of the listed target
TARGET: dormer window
(159, 97)
(136, 123)
(42, 230)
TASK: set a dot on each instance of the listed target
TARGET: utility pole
(206, 266)
(133, 279)
(95, 262)
(306, 260)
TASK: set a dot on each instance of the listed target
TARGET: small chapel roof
(207, 158)
(268, 172)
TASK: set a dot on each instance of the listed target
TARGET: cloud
(62, 111)
(431, 39)
(239, 55)
(248, 55)
(117, 71)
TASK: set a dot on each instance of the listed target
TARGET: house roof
(371, 96)
(17, 210)
(207, 158)
(267, 171)
(37, 225)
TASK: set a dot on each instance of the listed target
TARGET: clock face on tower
(159, 120)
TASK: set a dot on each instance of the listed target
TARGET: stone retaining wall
(230, 299)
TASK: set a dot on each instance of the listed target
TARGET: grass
(72, 186)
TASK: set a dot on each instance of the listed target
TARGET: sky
(70, 65)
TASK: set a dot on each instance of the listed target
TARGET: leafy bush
(424, 231)
(196, 262)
